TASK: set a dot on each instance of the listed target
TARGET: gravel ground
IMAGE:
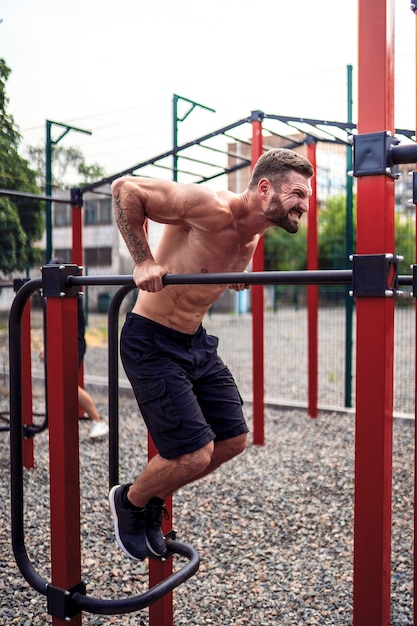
(273, 528)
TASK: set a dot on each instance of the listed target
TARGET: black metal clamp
(379, 153)
(375, 275)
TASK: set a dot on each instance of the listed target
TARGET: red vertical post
(77, 232)
(161, 612)
(258, 386)
(77, 257)
(312, 291)
(375, 332)
(63, 445)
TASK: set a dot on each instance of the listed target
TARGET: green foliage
(66, 162)
(284, 251)
(332, 234)
(21, 219)
(405, 241)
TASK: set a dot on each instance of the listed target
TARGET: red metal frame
(162, 611)
(375, 332)
(258, 382)
(77, 257)
(312, 291)
(64, 463)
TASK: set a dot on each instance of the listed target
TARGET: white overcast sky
(112, 66)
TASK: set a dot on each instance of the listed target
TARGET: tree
(21, 219)
(66, 162)
(332, 234)
(285, 252)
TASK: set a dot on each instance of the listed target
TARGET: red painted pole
(27, 397)
(77, 257)
(63, 444)
(77, 235)
(161, 612)
(312, 292)
(258, 384)
(375, 332)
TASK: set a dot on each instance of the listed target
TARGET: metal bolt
(389, 293)
(351, 294)
(62, 294)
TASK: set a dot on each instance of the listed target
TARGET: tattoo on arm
(137, 244)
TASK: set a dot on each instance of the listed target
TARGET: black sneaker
(154, 538)
(129, 525)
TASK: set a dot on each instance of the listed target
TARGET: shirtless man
(187, 396)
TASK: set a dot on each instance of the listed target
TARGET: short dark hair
(275, 165)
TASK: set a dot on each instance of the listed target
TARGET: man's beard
(283, 221)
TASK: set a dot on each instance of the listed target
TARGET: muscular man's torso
(218, 248)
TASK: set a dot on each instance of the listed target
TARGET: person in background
(86, 402)
(99, 427)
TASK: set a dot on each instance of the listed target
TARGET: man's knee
(196, 462)
(234, 446)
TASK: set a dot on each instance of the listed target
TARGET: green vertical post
(48, 191)
(175, 120)
(349, 251)
(49, 143)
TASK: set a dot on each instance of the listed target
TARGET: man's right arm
(130, 216)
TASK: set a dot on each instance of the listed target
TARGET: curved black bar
(16, 435)
(302, 277)
(40, 584)
(113, 369)
(135, 603)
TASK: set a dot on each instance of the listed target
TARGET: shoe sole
(116, 524)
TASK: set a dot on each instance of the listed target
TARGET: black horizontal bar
(405, 280)
(32, 196)
(303, 277)
(403, 154)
